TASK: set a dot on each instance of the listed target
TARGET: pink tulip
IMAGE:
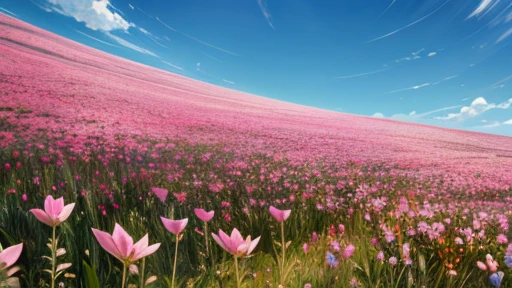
(54, 211)
(10, 255)
(279, 215)
(493, 265)
(481, 265)
(174, 226)
(203, 215)
(235, 244)
(121, 246)
(160, 193)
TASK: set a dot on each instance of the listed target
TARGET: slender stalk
(54, 256)
(206, 238)
(238, 284)
(141, 277)
(283, 246)
(124, 275)
(175, 257)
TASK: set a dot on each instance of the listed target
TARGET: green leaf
(91, 279)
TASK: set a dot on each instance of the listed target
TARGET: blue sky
(438, 62)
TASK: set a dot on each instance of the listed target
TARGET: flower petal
(220, 242)
(123, 240)
(107, 243)
(42, 216)
(146, 252)
(253, 245)
(48, 204)
(10, 255)
(65, 213)
(58, 205)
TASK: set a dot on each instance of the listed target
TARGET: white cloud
(477, 107)
(362, 74)
(508, 122)
(266, 13)
(130, 45)
(96, 39)
(131, 6)
(432, 54)
(483, 5)
(378, 115)
(7, 11)
(415, 117)
(172, 65)
(412, 113)
(504, 35)
(409, 88)
(229, 82)
(95, 14)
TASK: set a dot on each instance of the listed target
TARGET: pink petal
(66, 212)
(160, 193)
(236, 237)
(123, 240)
(174, 226)
(228, 242)
(253, 245)
(141, 245)
(203, 215)
(107, 243)
(286, 214)
(220, 242)
(10, 255)
(147, 251)
(48, 205)
(42, 216)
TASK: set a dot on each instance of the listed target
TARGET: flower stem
(284, 251)
(141, 276)
(175, 257)
(206, 237)
(54, 256)
(237, 275)
(124, 275)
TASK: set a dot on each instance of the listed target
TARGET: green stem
(124, 275)
(54, 256)
(283, 246)
(237, 275)
(141, 277)
(175, 257)
(206, 238)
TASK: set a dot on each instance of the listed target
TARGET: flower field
(115, 174)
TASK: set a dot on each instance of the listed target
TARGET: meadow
(328, 199)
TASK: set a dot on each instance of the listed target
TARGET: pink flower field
(116, 174)
(68, 86)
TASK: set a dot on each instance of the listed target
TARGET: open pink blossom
(174, 226)
(9, 256)
(120, 245)
(279, 215)
(160, 193)
(203, 215)
(54, 211)
(235, 244)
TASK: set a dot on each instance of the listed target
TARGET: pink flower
(24, 197)
(121, 246)
(349, 251)
(279, 215)
(181, 197)
(54, 211)
(501, 239)
(174, 226)
(160, 193)
(10, 255)
(203, 215)
(493, 265)
(481, 265)
(235, 244)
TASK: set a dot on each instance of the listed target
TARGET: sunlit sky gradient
(439, 62)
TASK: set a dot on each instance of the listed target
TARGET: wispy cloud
(228, 81)
(483, 5)
(266, 13)
(392, 2)
(197, 40)
(504, 35)
(96, 39)
(495, 124)
(173, 66)
(477, 107)
(9, 12)
(211, 57)
(445, 79)
(409, 88)
(131, 6)
(130, 45)
(378, 115)
(416, 117)
(410, 24)
(362, 74)
(432, 54)
(95, 14)
(501, 82)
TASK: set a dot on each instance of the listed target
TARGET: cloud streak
(130, 45)
(362, 74)
(392, 2)
(173, 66)
(483, 5)
(228, 81)
(266, 13)
(9, 12)
(504, 35)
(409, 88)
(477, 107)
(197, 40)
(96, 39)
(410, 24)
